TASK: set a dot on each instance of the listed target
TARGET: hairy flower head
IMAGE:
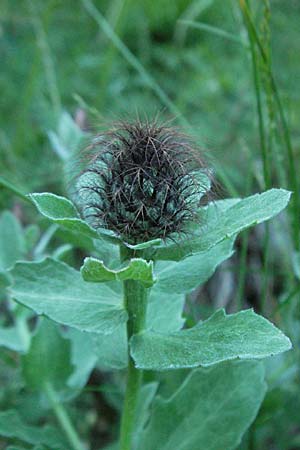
(141, 180)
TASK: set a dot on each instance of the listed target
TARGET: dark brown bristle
(139, 181)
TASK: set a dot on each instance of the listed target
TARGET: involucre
(141, 181)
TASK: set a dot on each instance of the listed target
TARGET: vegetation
(113, 287)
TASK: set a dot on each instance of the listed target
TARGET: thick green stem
(135, 300)
(63, 418)
(134, 379)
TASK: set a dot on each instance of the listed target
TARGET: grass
(225, 72)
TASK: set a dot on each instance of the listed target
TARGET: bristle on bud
(140, 181)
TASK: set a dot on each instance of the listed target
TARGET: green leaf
(12, 426)
(138, 269)
(187, 274)
(58, 291)
(31, 235)
(10, 338)
(244, 335)
(48, 359)
(12, 241)
(36, 447)
(83, 358)
(145, 399)
(60, 210)
(296, 264)
(164, 314)
(86, 243)
(111, 350)
(67, 138)
(5, 279)
(211, 410)
(144, 245)
(241, 215)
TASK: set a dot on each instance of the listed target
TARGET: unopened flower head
(141, 180)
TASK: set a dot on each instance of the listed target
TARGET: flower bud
(141, 181)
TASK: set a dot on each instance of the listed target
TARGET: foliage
(224, 72)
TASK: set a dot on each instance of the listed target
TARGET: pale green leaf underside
(185, 275)
(62, 211)
(83, 358)
(58, 291)
(241, 215)
(12, 241)
(211, 410)
(10, 338)
(12, 426)
(138, 269)
(111, 350)
(164, 311)
(48, 359)
(244, 335)
(5, 280)
(164, 314)
(144, 245)
(145, 398)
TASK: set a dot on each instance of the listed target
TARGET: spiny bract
(140, 180)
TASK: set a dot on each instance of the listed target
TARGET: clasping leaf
(138, 269)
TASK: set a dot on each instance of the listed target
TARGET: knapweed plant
(137, 206)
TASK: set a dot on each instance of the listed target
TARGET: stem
(6, 184)
(134, 379)
(63, 418)
(135, 300)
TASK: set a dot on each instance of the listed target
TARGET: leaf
(211, 410)
(296, 264)
(145, 399)
(241, 215)
(106, 251)
(31, 235)
(244, 335)
(67, 138)
(187, 274)
(83, 358)
(5, 279)
(12, 426)
(138, 269)
(62, 211)
(48, 359)
(86, 243)
(111, 350)
(144, 245)
(58, 291)
(36, 447)
(12, 241)
(164, 314)
(10, 338)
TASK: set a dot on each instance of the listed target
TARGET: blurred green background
(57, 55)
(201, 64)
